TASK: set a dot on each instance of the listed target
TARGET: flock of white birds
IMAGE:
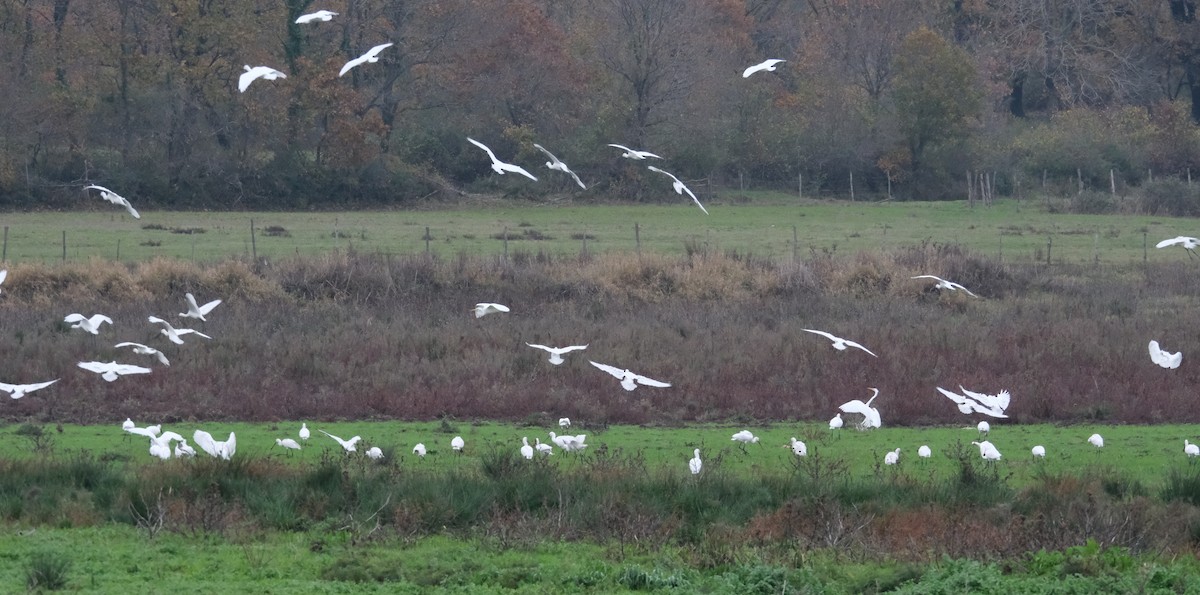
(968, 402)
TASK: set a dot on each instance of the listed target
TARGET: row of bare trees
(142, 95)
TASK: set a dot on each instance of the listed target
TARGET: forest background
(901, 96)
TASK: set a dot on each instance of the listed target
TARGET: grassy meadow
(757, 223)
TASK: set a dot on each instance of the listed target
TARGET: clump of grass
(47, 570)
(276, 231)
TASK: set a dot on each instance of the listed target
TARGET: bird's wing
(191, 301)
(822, 333)
(663, 172)
(499, 307)
(694, 199)
(129, 369)
(100, 188)
(974, 395)
(162, 357)
(573, 175)
(927, 277)
(960, 286)
(129, 207)
(751, 70)
(542, 347)
(617, 372)
(36, 386)
(853, 344)
(206, 443)
(96, 319)
(169, 436)
(517, 170)
(97, 367)
(957, 398)
(855, 406)
(352, 64)
(1170, 242)
(248, 77)
(571, 348)
(644, 381)
(548, 153)
(158, 320)
(371, 53)
(623, 147)
(188, 331)
(141, 432)
(131, 344)
(340, 441)
(485, 148)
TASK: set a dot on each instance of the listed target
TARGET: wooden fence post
(64, 245)
(851, 186)
(253, 243)
(505, 243)
(4, 255)
(637, 237)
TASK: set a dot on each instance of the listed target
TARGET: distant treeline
(141, 96)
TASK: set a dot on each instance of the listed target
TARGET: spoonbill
(17, 391)
(457, 444)
(968, 405)
(254, 73)
(836, 422)
(1039, 451)
(526, 450)
(984, 428)
(633, 153)
(870, 414)
(183, 449)
(892, 458)
(173, 333)
(375, 453)
(1188, 244)
(557, 164)
(799, 448)
(348, 445)
(924, 452)
(839, 343)
(988, 451)
(1191, 450)
(680, 188)
(304, 433)
(91, 325)
(542, 447)
(320, 15)
(160, 448)
(419, 449)
(629, 380)
(287, 443)
(484, 308)
(128, 423)
(501, 167)
(564, 422)
(556, 354)
(745, 437)
(3, 276)
(216, 449)
(372, 55)
(115, 199)
(944, 284)
(695, 464)
(112, 370)
(148, 431)
(1163, 358)
(140, 349)
(196, 311)
(569, 443)
(766, 65)
(1096, 440)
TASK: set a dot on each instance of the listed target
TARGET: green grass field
(761, 226)
(1143, 453)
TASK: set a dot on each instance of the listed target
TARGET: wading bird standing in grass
(695, 464)
(173, 333)
(501, 167)
(252, 74)
(564, 422)
(320, 15)
(633, 153)
(629, 380)
(1039, 451)
(484, 308)
(944, 284)
(839, 343)
(1164, 358)
(287, 443)
(1191, 450)
(836, 423)
(115, 199)
(304, 433)
(419, 449)
(1188, 244)
(183, 449)
(160, 447)
(91, 325)
(983, 427)
(17, 391)
(556, 353)
(766, 65)
(3, 276)
(745, 437)
(348, 445)
(526, 450)
(218, 450)
(569, 443)
(1096, 440)
(557, 164)
(871, 418)
(988, 451)
(197, 311)
(799, 448)
(457, 444)
(127, 424)
(543, 448)
(680, 188)
(112, 370)
(924, 452)
(140, 349)
(375, 453)
(892, 458)
(371, 56)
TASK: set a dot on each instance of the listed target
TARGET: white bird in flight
(839, 343)
(372, 55)
(767, 65)
(91, 325)
(892, 458)
(680, 188)
(944, 284)
(140, 349)
(216, 449)
(17, 391)
(484, 308)
(870, 414)
(634, 153)
(695, 464)
(556, 354)
(254, 73)
(115, 198)
(556, 163)
(996, 403)
(173, 333)
(968, 405)
(1164, 358)
(501, 167)
(287, 443)
(112, 370)
(320, 15)
(629, 380)
(1188, 244)
(197, 311)
(349, 445)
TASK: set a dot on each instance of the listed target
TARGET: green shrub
(47, 571)
(1169, 196)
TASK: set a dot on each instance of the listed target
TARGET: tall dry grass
(355, 335)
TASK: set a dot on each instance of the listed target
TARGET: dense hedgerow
(365, 335)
